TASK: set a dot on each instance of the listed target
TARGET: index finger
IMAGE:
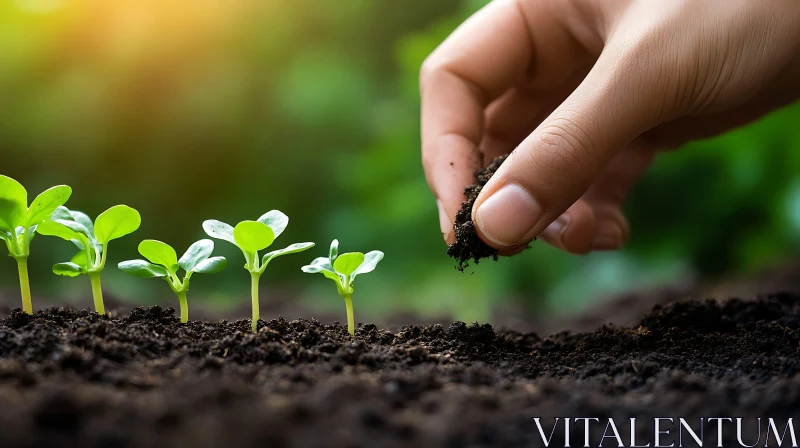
(475, 65)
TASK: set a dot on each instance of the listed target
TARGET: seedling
(91, 239)
(18, 224)
(343, 269)
(251, 237)
(163, 263)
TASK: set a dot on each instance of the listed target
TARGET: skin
(584, 94)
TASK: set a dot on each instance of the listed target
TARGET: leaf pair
(91, 238)
(251, 237)
(343, 269)
(18, 224)
(254, 236)
(163, 261)
(17, 220)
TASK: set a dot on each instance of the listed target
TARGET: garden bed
(74, 378)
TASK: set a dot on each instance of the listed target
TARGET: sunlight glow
(39, 6)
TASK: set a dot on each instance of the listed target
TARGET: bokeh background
(196, 109)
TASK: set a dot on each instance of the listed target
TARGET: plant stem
(97, 292)
(184, 306)
(351, 324)
(24, 284)
(254, 276)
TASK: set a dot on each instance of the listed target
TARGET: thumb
(555, 165)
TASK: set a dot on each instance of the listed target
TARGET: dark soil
(468, 245)
(74, 378)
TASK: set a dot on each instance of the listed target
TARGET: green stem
(254, 276)
(97, 292)
(24, 284)
(184, 306)
(351, 324)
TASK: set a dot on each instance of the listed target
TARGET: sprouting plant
(91, 239)
(343, 269)
(163, 262)
(18, 224)
(251, 237)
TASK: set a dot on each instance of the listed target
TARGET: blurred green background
(196, 109)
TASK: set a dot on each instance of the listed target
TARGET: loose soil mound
(74, 378)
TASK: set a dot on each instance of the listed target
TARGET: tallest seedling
(251, 237)
(18, 224)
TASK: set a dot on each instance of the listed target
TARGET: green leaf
(84, 220)
(159, 253)
(371, 260)
(78, 244)
(292, 249)
(323, 266)
(57, 228)
(347, 263)
(74, 226)
(334, 251)
(219, 230)
(211, 265)
(275, 220)
(13, 204)
(116, 222)
(333, 276)
(62, 213)
(67, 269)
(142, 269)
(196, 253)
(320, 264)
(46, 203)
(253, 236)
(81, 260)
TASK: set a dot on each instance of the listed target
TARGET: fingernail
(508, 215)
(609, 236)
(555, 231)
(444, 222)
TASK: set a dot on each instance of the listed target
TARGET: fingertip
(554, 233)
(445, 223)
(574, 230)
(507, 217)
(609, 236)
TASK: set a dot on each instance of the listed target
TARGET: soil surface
(468, 246)
(74, 378)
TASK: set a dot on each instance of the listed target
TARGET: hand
(588, 91)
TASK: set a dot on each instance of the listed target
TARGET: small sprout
(343, 269)
(163, 262)
(91, 239)
(18, 224)
(252, 237)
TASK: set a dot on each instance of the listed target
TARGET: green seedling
(91, 239)
(343, 269)
(251, 237)
(18, 224)
(163, 263)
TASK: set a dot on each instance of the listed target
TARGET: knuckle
(429, 68)
(566, 143)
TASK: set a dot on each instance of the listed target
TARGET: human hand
(588, 91)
